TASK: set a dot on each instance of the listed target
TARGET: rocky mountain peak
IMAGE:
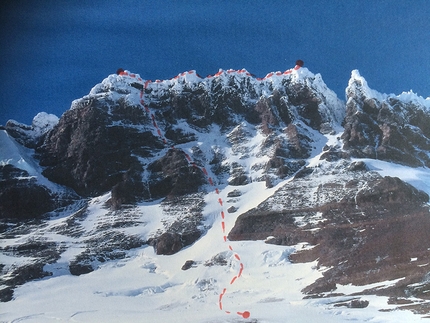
(148, 161)
(359, 89)
(117, 126)
(387, 127)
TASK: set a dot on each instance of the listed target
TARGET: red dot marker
(245, 314)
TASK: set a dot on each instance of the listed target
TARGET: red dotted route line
(245, 314)
(299, 64)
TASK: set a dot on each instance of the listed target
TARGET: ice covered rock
(32, 135)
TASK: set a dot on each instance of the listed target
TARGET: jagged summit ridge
(292, 165)
(386, 126)
(251, 87)
(357, 83)
(289, 108)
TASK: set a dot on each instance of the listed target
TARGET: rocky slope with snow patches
(138, 172)
(386, 127)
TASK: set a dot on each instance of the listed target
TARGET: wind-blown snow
(365, 89)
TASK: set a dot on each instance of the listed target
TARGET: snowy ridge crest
(358, 84)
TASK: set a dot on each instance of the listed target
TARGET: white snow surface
(409, 97)
(149, 288)
(21, 157)
(43, 122)
(145, 287)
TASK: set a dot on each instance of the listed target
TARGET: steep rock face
(172, 176)
(355, 222)
(24, 193)
(22, 198)
(387, 127)
(32, 136)
(107, 139)
(89, 153)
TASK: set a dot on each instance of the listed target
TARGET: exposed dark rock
(360, 228)
(6, 294)
(232, 209)
(168, 243)
(238, 175)
(392, 190)
(25, 202)
(333, 154)
(26, 273)
(188, 264)
(220, 259)
(282, 167)
(390, 130)
(307, 101)
(399, 301)
(183, 225)
(357, 166)
(305, 171)
(89, 154)
(355, 303)
(234, 193)
(190, 237)
(41, 251)
(32, 135)
(10, 173)
(21, 197)
(179, 136)
(268, 119)
(129, 191)
(102, 247)
(298, 143)
(77, 269)
(172, 176)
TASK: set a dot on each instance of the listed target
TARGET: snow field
(147, 287)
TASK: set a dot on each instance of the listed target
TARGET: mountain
(219, 198)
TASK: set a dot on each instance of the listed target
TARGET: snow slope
(144, 287)
(12, 153)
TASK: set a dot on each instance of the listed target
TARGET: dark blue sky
(55, 51)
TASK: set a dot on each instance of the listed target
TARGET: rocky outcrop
(88, 152)
(32, 136)
(172, 175)
(101, 247)
(107, 141)
(183, 224)
(40, 250)
(386, 127)
(23, 198)
(170, 243)
(358, 224)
